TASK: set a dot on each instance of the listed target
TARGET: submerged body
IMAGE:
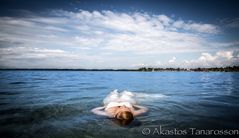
(120, 106)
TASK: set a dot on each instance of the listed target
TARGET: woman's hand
(140, 110)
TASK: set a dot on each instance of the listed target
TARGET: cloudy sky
(118, 34)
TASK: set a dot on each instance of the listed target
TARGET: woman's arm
(140, 110)
(98, 111)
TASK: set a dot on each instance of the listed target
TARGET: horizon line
(123, 69)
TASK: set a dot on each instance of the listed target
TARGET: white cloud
(104, 37)
(28, 57)
(225, 54)
(165, 20)
(32, 53)
(172, 60)
(207, 57)
(196, 27)
(219, 59)
(201, 28)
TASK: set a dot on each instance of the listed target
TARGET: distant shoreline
(143, 69)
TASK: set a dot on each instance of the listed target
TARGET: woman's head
(124, 115)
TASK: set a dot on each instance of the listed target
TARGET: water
(58, 103)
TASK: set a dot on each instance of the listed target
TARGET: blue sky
(118, 34)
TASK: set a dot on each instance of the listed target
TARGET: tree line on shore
(218, 69)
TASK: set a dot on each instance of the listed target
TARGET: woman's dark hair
(125, 117)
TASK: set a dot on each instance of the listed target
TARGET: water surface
(58, 103)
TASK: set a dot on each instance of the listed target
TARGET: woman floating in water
(121, 106)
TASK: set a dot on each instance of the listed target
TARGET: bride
(121, 106)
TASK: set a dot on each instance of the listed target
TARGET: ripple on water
(37, 114)
(61, 107)
(17, 82)
(8, 93)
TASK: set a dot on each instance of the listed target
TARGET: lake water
(46, 104)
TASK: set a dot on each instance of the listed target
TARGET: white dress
(119, 99)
